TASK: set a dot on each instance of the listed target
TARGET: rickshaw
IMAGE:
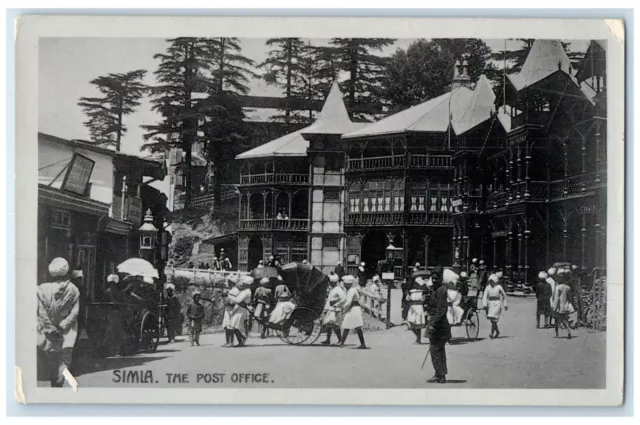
(309, 288)
(136, 312)
(470, 319)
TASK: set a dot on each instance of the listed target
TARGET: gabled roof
(468, 109)
(292, 144)
(334, 118)
(546, 57)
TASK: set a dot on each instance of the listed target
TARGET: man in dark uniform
(339, 270)
(438, 327)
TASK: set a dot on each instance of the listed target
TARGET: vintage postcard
(320, 211)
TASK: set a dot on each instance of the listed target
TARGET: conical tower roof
(334, 118)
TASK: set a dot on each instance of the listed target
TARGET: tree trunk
(353, 75)
(119, 132)
(221, 77)
(217, 202)
(287, 113)
(187, 127)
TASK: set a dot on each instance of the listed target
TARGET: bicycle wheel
(472, 324)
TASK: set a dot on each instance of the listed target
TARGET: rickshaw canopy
(138, 267)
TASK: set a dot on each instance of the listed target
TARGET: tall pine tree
(182, 72)
(425, 69)
(224, 130)
(356, 57)
(121, 96)
(283, 68)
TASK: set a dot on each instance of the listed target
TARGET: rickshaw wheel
(472, 324)
(303, 327)
(149, 332)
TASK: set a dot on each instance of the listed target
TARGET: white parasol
(138, 267)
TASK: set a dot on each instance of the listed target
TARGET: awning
(66, 200)
(221, 239)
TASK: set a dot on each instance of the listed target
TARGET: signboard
(586, 209)
(388, 276)
(456, 203)
(78, 174)
(499, 234)
(134, 210)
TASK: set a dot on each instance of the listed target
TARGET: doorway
(255, 252)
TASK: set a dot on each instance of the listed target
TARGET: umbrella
(309, 284)
(138, 267)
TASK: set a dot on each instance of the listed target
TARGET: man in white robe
(240, 312)
(333, 309)
(58, 309)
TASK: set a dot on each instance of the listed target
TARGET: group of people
(221, 263)
(342, 310)
(554, 298)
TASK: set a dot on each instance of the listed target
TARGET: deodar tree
(121, 96)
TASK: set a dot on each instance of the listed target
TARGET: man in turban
(339, 270)
(438, 327)
(543, 294)
(240, 312)
(263, 300)
(173, 315)
(58, 309)
(333, 309)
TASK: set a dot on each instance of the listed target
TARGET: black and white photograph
(324, 213)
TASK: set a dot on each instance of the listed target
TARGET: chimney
(461, 75)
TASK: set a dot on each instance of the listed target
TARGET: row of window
(377, 204)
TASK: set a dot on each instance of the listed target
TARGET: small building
(291, 193)
(90, 205)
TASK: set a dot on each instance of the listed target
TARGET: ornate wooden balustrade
(418, 218)
(274, 179)
(424, 161)
(294, 224)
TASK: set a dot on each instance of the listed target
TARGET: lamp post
(388, 275)
(148, 238)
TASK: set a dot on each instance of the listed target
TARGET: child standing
(195, 313)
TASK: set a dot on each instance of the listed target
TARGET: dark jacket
(438, 318)
(339, 270)
(543, 291)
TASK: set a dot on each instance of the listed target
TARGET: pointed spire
(334, 118)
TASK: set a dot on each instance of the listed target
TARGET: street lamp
(148, 238)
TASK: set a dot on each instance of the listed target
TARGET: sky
(67, 65)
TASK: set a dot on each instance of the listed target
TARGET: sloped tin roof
(468, 108)
(545, 58)
(333, 119)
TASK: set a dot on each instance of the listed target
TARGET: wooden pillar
(583, 187)
(520, 249)
(548, 250)
(264, 205)
(290, 195)
(510, 176)
(527, 177)
(494, 246)
(426, 251)
(598, 247)
(509, 242)
(598, 138)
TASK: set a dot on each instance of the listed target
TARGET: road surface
(523, 357)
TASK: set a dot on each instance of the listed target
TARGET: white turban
(333, 278)
(264, 280)
(481, 261)
(543, 275)
(113, 278)
(417, 264)
(551, 271)
(59, 267)
(196, 292)
(247, 281)
(279, 277)
(474, 260)
(420, 281)
(449, 276)
(499, 275)
(348, 279)
(362, 264)
(463, 274)
(170, 286)
(563, 271)
(493, 278)
(76, 274)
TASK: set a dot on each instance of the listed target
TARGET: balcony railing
(293, 224)
(397, 219)
(274, 179)
(429, 161)
(425, 161)
(576, 185)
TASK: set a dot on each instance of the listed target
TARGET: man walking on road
(543, 294)
(438, 329)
